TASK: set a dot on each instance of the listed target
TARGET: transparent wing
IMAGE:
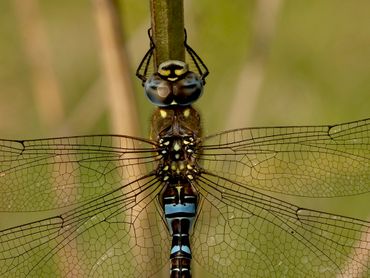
(243, 233)
(97, 198)
(312, 161)
(54, 173)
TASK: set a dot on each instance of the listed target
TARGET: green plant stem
(168, 30)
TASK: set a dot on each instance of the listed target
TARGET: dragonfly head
(173, 84)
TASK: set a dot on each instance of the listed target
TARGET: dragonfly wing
(54, 173)
(311, 161)
(120, 234)
(95, 195)
(249, 234)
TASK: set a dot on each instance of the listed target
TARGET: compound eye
(188, 89)
(158, 91)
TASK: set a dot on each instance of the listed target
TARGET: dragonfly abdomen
(180, 207)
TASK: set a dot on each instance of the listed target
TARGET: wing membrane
(54, 173)
(97, 239)
(312, 161)
(246, 233)
(98, 194)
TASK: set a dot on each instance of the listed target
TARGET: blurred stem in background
(253, 71)
(46, 89)
(120, 93)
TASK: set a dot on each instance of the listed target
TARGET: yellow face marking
(186, 113)
(165, 168)
(179, 72)
(164, 72)
(182, 166)
(190, 177)
(163, 114)
(189, 166)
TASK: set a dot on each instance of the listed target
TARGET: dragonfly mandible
(121, 206)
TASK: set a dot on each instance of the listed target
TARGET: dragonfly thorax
(177, 132)
(178, 158)
(177, 121)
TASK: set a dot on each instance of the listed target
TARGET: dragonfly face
(174, 84)
(119, 206)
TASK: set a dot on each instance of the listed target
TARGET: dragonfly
(122, 206)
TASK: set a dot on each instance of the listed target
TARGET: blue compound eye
(173, 84)
(188, 89)
(158, 91)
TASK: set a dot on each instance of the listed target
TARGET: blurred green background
(278, 62)
(271, 63)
